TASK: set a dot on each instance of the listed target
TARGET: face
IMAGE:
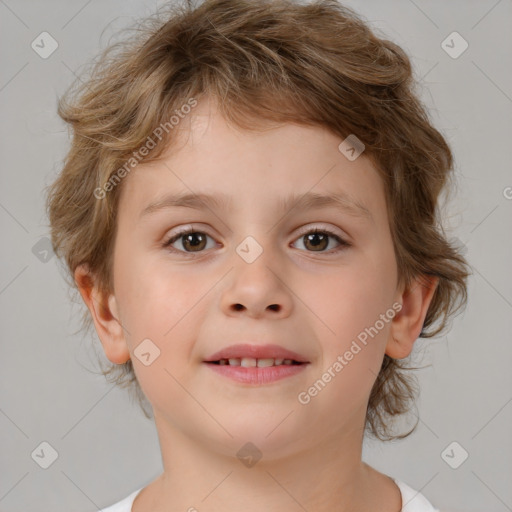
(252, 270)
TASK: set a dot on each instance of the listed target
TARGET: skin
(314, 302)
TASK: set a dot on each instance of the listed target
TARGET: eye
(318, 240)
(190, 239)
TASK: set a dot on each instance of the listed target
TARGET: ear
(407, 323)
(104, 312)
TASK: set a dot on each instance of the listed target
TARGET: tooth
(287, 361)
(223, 362)
(234, 362)
(265, 362)
(248, 362)
(278, 362)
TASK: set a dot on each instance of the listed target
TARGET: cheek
(154, 296)
(158, 308)
(353, 339)
(160, 311)
(352, 297)
(349, 304)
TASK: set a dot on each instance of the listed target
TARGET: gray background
(106, 448)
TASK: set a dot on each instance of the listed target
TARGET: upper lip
(256, 352)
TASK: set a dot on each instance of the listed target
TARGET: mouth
(256, 364)
(250, 371)
(250, 362)
(253, 355)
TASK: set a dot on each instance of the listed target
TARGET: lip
(268, 351)
(257, 376)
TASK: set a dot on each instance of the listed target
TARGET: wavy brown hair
(316, 64)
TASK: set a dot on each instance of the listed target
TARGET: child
(287, 138)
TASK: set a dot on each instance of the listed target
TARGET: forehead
(281, 163)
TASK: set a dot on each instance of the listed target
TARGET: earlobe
(408, 322)
(104, 312)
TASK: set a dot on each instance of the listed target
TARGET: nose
(257, 289)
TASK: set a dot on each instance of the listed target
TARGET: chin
(272, 434)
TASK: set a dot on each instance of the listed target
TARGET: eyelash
(343, 244)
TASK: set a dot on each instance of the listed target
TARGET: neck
(209, 477)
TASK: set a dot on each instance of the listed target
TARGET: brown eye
(191, 241)
(318, 240)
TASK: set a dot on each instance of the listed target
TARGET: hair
(315, 64)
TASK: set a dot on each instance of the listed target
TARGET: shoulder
(412, 500)
(125, 505)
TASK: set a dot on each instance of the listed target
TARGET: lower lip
(256, 375)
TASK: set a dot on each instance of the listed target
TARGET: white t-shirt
(412, 501)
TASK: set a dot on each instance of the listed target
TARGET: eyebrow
(309, 200)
